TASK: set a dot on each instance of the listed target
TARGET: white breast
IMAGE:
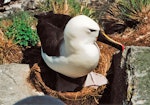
(82, 62)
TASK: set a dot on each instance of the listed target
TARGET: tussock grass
(68, 7)
(135, 10)
(116, 17)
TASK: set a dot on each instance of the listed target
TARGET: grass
(9, 52)
(116, 17)
(20, 29)
(135, 10)
(69, 7)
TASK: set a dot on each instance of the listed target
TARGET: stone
(13, 83)
(18, 5)
(128, 78)
(138, 74)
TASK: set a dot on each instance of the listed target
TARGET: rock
(13, 6)
(18, 5)
(137, 65)
(14, 85)
(129, 83)
(30, 4)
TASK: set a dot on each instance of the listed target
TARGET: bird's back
(50, 29)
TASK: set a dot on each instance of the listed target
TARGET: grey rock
(131, 73)
(13, 83)
(18, 5)
(138, 75)
(13, 6)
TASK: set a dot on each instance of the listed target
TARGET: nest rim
(36, 81)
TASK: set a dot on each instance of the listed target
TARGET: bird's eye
(92, 30)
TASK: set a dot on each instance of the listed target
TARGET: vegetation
(135, 10)
(69, 7)
(20, 30)
(124, 13)
(9, 52)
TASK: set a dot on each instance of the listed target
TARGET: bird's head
(83, 28)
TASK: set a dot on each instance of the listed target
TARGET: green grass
(134, 9)
(20, 30)
(127, 13)
(69, 7)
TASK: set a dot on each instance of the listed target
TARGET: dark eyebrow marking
(92, 30)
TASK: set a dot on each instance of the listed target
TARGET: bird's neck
(75, 46)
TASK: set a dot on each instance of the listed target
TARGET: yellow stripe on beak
(107, 40)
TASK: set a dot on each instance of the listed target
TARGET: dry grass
(85, 96)
(9, 52)
(118, 16)
(137, 37)
(109, 18)
(134, 10)
(62, 8)
(5, 23)
(67, 7)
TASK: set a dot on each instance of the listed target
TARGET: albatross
(68, 45)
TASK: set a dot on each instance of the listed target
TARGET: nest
(86, 96)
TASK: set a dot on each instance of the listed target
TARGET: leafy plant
(20, 30)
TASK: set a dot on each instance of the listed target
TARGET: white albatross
(77, 51)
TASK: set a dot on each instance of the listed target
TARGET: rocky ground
(138, 36)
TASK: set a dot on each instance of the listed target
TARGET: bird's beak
(102, 37)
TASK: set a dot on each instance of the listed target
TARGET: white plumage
(69, 48)
(6, 1)
(79, 53)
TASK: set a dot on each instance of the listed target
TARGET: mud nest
(40, 79)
